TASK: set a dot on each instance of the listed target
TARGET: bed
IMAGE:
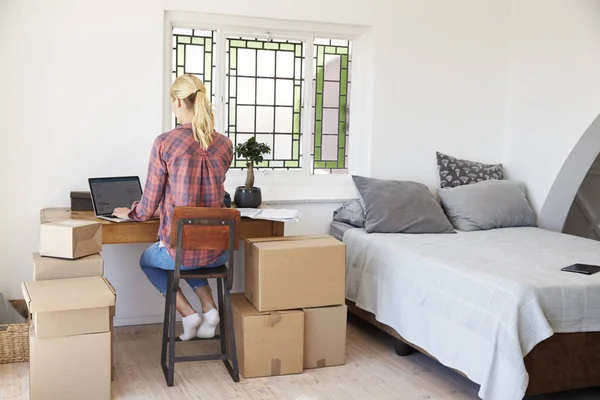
(491, 304)
(337, 229)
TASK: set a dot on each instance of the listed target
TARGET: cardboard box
(45, 268)
(325, 336)
(295, 272)
(70, 367)
(267, 344)
(70, 238)
(66, 307)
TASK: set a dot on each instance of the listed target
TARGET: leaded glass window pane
(193, 53)
(264, 97)
(331, 90)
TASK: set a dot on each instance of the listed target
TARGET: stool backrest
(205, 228)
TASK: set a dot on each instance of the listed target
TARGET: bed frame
(562, 362)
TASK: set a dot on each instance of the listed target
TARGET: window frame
(307, 185)
(222, 101)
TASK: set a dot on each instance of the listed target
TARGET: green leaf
(252, 151)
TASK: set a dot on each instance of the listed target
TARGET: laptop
(110, 193)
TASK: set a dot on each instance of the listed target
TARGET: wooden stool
(197, 228)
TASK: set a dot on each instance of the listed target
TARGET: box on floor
(295, 272)
(267, 343)
(325, 336)
(70, 338)
(70, 238)
(70, 367)
(47, 268)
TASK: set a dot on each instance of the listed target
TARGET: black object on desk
(227, 200)
(586, 269)
(81, 201)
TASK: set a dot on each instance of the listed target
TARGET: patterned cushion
(455, 172)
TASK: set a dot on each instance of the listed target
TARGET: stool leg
(222, 336)
(171, 369)
(235, 375)
(165, 336)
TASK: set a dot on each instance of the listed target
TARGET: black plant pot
(247, 198)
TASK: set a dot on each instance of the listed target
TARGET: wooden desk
(145, 232)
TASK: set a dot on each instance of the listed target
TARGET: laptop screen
(110, 193)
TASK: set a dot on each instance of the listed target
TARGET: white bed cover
(477, 301)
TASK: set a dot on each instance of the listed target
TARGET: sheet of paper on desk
(278, 214)
(273, 214)
(248, 212)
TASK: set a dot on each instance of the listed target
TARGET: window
(258, 85)
(331, 93)
(193, 54)
(264, 97)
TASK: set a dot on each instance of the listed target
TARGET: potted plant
(249, 196)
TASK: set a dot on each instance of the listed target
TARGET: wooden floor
(372, 371)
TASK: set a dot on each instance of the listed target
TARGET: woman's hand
(121, 212)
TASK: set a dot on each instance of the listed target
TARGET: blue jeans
(156, 261)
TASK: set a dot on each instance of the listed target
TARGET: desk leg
(277, 229)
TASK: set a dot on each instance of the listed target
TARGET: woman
(187, 168)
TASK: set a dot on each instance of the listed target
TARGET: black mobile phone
(586, 269)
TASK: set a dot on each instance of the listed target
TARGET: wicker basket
(14, 338)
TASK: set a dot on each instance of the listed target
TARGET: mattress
(337, 229)
(477, 301)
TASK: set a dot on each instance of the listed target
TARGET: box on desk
(70, 337)
(267, 344)
(295, 272)
(46, 268)
(70, 238)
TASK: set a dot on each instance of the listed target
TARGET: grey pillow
(400, 207)
(455, 172)
(350, 213)
(488, 205)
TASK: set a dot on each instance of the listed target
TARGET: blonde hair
(191, 91)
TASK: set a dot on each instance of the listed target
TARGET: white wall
(445, 90)
(553, 97)
(82, 96)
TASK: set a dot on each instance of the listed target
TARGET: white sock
(190, 324)
(207, 328)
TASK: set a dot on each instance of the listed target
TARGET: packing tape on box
(275, 366)
(274, 318)
(321, 363)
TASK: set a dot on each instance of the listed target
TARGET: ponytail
(203, 122)
(191, 90)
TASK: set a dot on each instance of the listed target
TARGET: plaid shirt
(180, 173)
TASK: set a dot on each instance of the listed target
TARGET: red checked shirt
(181, 173)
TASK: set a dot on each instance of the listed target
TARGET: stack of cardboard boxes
(292, 315)
(71, 306)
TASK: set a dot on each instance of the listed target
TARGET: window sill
(283, 188)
